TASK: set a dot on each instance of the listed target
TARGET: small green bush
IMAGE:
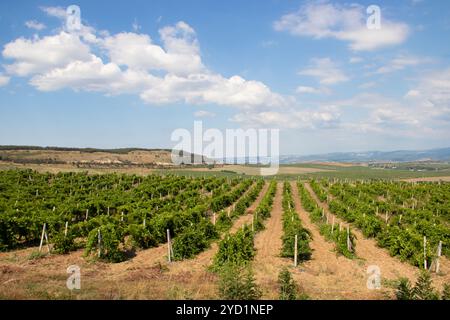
(111, 238)
(288, 288)
(237, 283)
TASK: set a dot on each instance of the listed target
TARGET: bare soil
(147, 275)
(391, 267)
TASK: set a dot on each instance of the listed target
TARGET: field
(219, 236)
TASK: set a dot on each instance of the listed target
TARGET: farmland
(179, 237)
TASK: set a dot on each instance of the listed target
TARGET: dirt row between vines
(329, 275)
(370, 253)
(147, 275)
(325, 276)
(268, 262)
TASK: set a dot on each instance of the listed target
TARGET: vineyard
(220, 237)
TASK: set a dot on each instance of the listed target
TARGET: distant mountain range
(442, 154)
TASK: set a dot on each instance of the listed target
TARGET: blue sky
(137, 70)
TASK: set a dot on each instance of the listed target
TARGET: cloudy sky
(137, 70)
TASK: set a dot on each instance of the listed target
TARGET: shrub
(194, 240)
(141, 236)
(423, 289)
(111, 239)
(446, 292)
(288, 288)
(235, 249)
(237, 283)
(64, 244)
(404, 290)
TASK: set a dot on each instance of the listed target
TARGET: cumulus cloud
(325, 70)
(180, 53)
(35, 25)
(290, 119)
(432, 95)
(342, 22)
(40, 55)
(312, 90)
(4, 80)
(401, 62)
(130, 62)
(57, 12)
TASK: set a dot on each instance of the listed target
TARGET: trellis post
(295, 250)
(425, 252)
(169, 245)
(439, 252)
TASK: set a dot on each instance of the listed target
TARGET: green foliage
(292, 227)
(194, 240)
(397, 214)
(404, 290)
(111, 239)
(64, 244)
(237, 283)
(288, 288)
(446, 292)
(264, 208)
(223, 222)
(141, 237)
(422, 289)
(235, 249)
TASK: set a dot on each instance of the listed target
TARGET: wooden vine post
(169, 247)
(439, 252)
(99, 242)
(425, 252)
(295, 250)
(349, 243)
(332, 226)
(44, 235)
(65, 229)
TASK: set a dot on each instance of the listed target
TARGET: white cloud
(43, 54)
(432, 95)
(58, 12)
(304, 89)
(204, 114)
(312, 90)
(35, 25)
(213, 88)
(356, 60)
(93, 75)
(326, 71)
(132, 63)
(367, 85)
(180, 54)
(342, 22)
(4, 80)
(401, 62)
(289, 119)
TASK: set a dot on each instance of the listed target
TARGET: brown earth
(391, 267)
(268, 263)
(147, 275)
